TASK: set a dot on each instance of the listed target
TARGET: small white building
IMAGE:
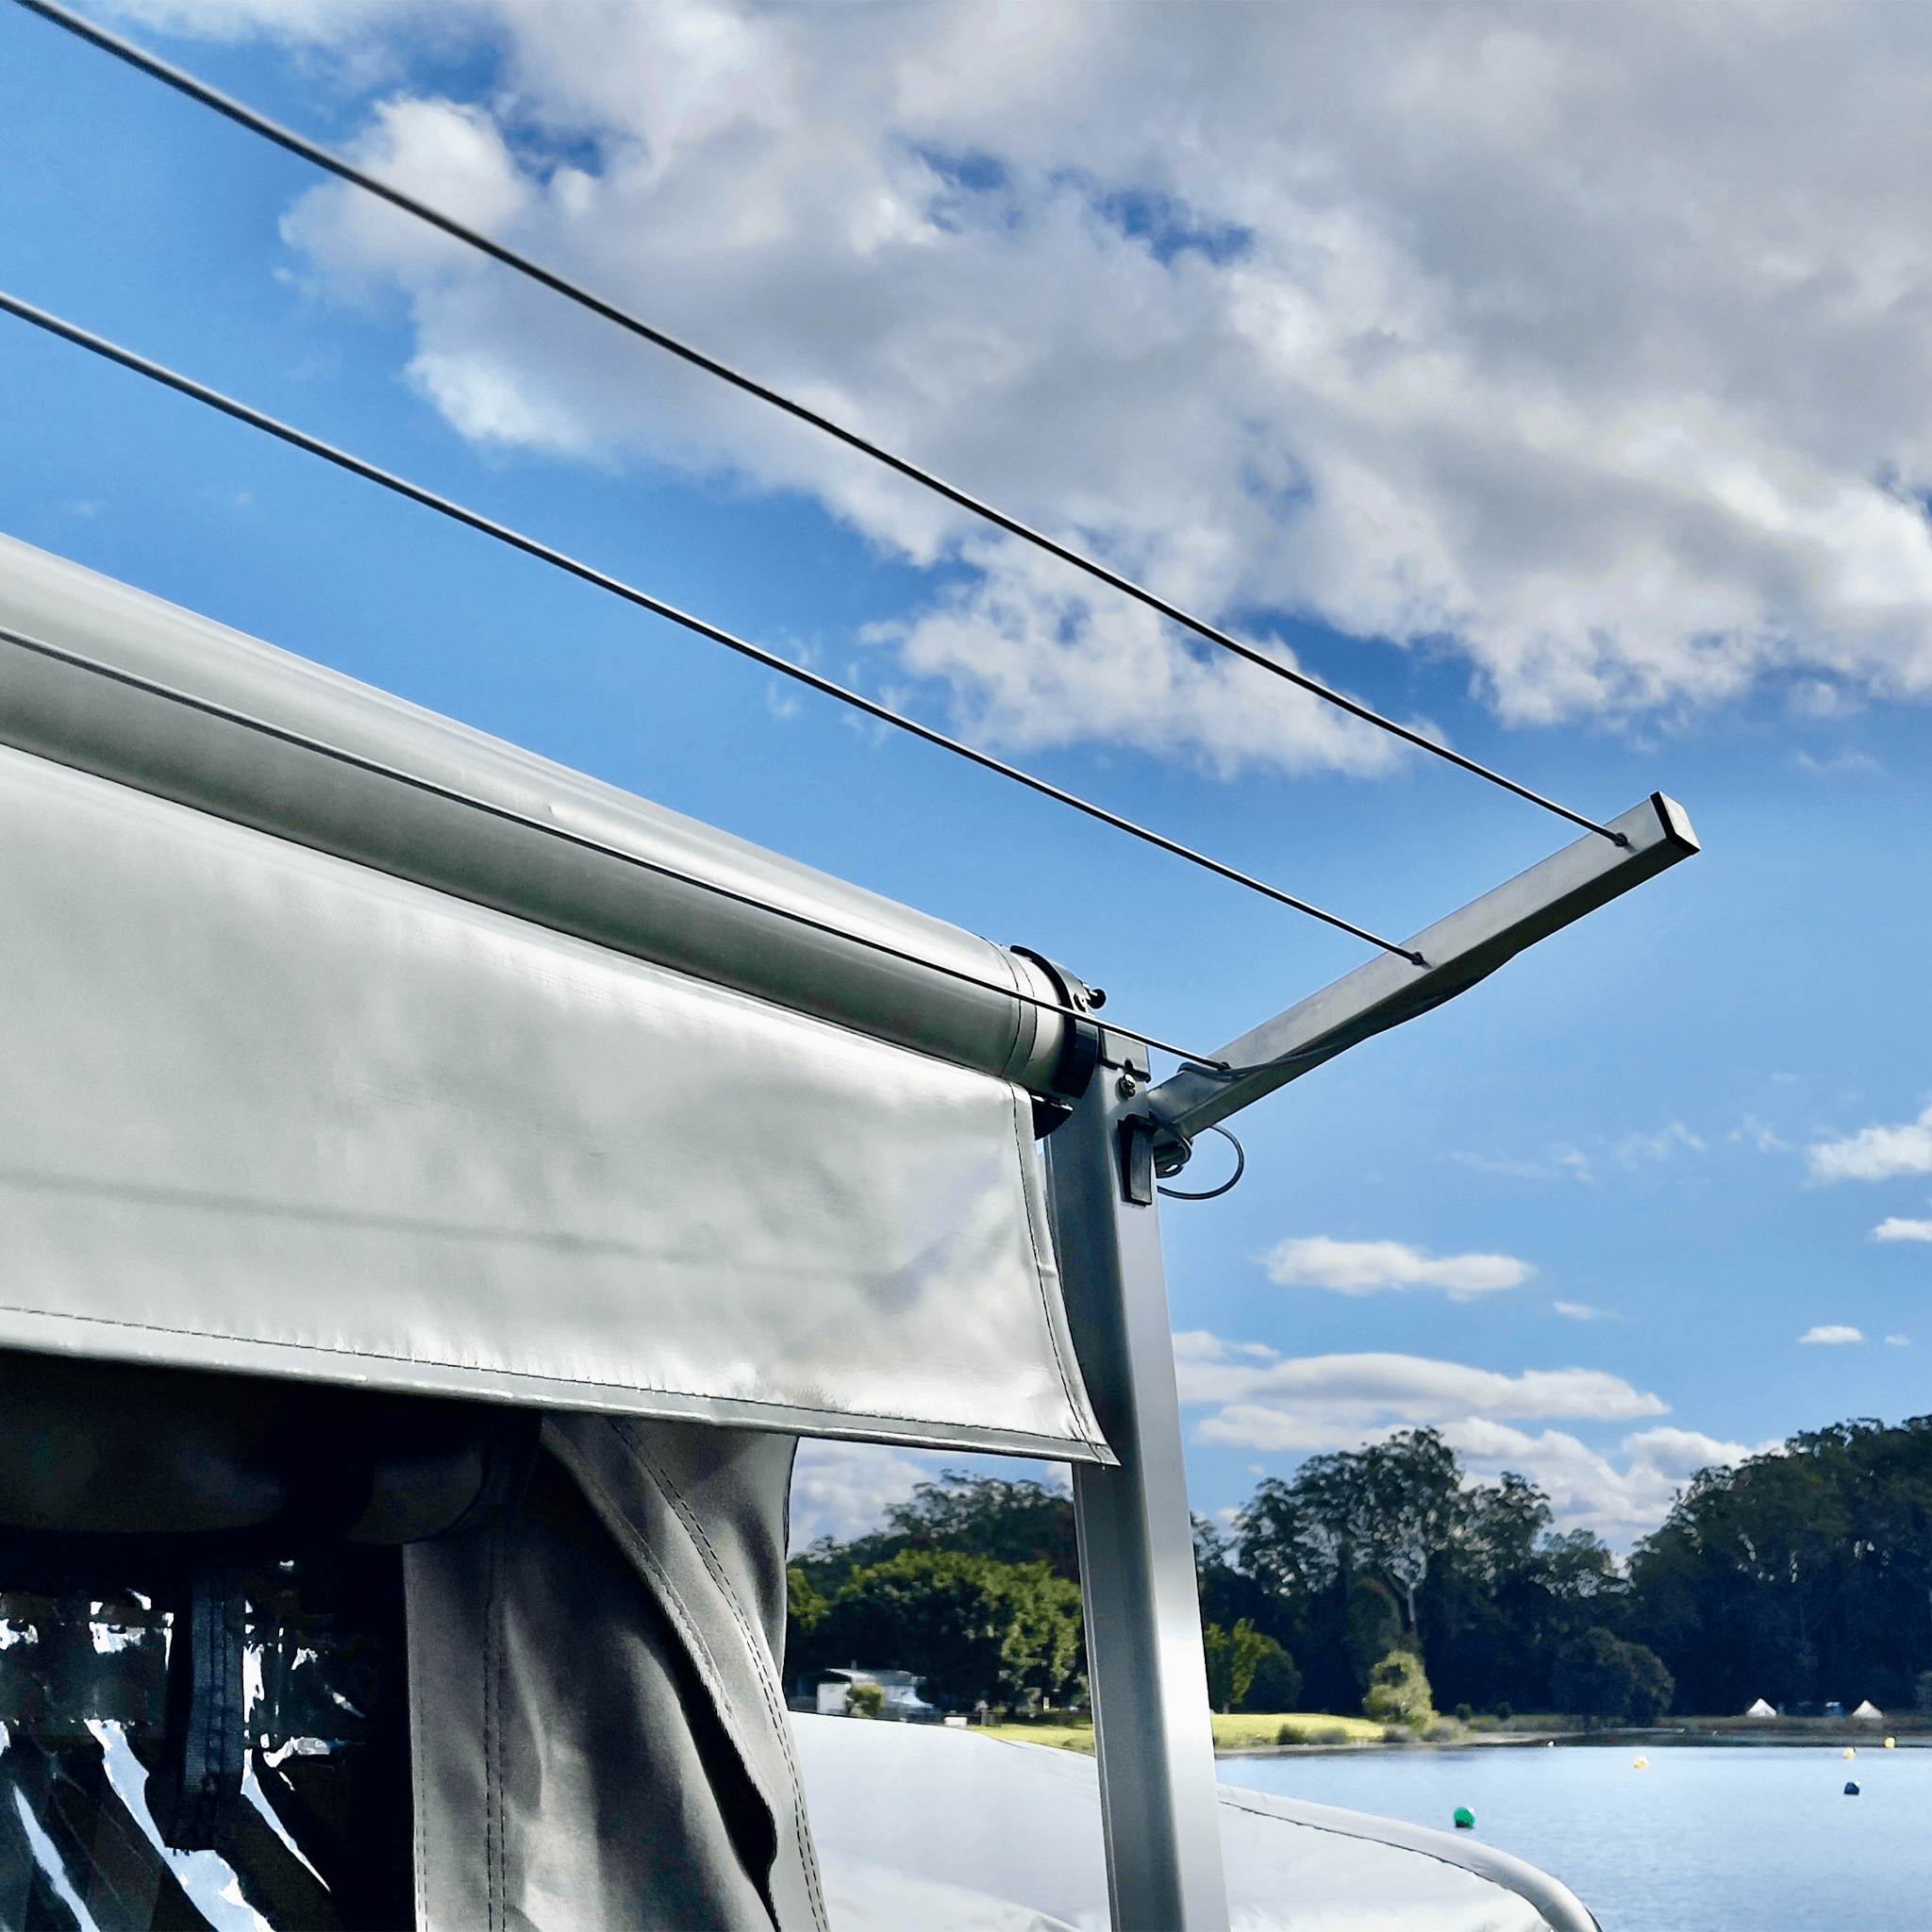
(901, 1688)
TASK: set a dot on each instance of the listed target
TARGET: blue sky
(1485, 361)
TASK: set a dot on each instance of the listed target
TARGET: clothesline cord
(545, 552)
(286, 138)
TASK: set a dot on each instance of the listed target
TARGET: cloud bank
(1584, 343)
(1368, 1267)
(1259, 1400)
(844, 1488)
(1303, 1402)
(1588, 1489)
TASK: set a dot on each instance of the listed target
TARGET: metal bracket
(1079, 1048)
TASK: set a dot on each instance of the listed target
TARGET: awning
(323, 1056)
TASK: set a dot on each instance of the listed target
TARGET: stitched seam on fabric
(419, 1804)
(430, 1361)
(807, 1850)
(1060, 1361)
(639, 1544)
(492, 1835)
(754, 1641)
(647, 1559)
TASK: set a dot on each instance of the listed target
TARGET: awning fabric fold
(292, 1082)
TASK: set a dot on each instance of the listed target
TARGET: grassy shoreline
(1241, 1732)
(1260, 1734)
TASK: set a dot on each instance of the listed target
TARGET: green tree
(1356, 1535)
(1599, 1677)
(1373, 1627)
(1399, 1693)
(1233, 1657)
(1013, 1522)
(972, 1627)
(1800, 1574)
(804, 1607)
(1652, 1687)
(1594, 1677)
(1382, 1513)
(1391, 1542)
(1498, 1599)
(1575, 1568)
(865, 1700)
(1277, 1684)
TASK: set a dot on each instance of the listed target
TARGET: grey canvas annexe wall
(321, 1056)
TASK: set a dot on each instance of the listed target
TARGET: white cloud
(1582, 1311)
(1587, 1489)
(1564, 1163)
(1367, 1267)
(1201, 1345)
(1875, 1153)
(1895, 1229)
(1485, 327)
(1898, 1341)
(1315, 1401)
(1658, 1146)
(1850, 759)
(1760, 1135)
(1339, 1402)
(844, 1488)
(1830, 1335)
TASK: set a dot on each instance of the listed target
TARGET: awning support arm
(1147, 1671)
(1459, 950)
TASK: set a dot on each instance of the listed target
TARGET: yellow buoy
(1892, 1743)
(1643, 1765)
(1849, 1752)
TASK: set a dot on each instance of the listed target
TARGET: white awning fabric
(307, 1070)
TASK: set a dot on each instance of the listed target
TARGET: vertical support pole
(1145, 1662)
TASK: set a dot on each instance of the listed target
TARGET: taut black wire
(242, 116)
(301, 439)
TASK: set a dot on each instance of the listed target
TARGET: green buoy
(1465, 1818)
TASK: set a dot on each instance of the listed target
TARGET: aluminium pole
(1146, 1670)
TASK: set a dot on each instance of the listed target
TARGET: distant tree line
(1392, 1547)
(1801, 1575)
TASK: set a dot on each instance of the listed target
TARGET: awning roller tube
(103, 677)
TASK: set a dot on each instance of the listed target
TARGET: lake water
(1759, 1836)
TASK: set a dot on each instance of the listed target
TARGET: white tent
(1870, 1713)
(1760, 1709)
